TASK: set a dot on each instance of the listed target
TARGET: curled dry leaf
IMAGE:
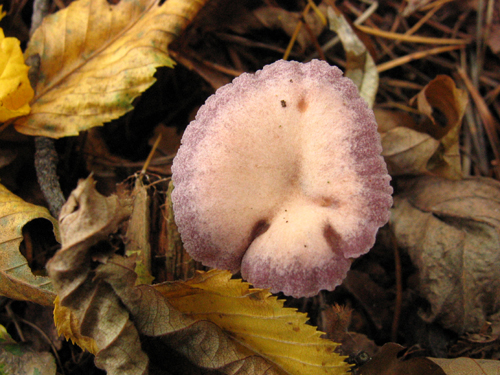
(451, 232)
(468, 366)
(212, 321)
(16, 279)
(109, 55)
(431, 146)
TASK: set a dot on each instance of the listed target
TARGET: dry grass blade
(410, 38)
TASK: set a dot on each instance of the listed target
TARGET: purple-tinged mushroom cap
(280, 175)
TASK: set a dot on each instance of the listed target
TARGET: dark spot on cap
(259, 229)
(326, 201)
(283, 103)
(302, 105)
(332, 238)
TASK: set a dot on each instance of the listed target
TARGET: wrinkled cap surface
(280, 176)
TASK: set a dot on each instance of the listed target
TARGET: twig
(46, 172)
(414, 56)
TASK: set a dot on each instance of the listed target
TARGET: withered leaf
(16, 279)
(451, 232)
(117, 315)
(406, 151)
(468, 366)
(430, 146)
(387, 362)
(444, 106)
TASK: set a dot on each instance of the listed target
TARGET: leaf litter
(435, 137)
(205, 319)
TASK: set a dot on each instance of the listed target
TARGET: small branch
(46, 171)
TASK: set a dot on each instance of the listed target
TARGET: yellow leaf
(15, 88)
(68, 325)
(256, 319)
(16, 279)
(96, 57)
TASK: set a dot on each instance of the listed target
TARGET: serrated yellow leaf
(96, 57)
(68, 325)
(15, 88)
(257, 320)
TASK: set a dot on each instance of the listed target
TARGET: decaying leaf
(19, 359)
(387, 361)
(360, 66)
(468, 366)
(444, 105)
(405, 150)
(96, 57)
(223, 326)
(15, 88)
(431, 146)
(451, 232)
(16, 279)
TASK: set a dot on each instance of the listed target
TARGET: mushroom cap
(280, 176)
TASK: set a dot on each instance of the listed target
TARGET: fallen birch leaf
(16, 279)
(451, 232)
(15, 88)
(122, 318)
(468, 366)
(256, 319)
(96, 57)
(360, 67)
(19, 359)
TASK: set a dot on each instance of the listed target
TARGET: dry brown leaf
(451, 232)
(406, 151)
(121, 319)
(468, 366)
(388, 362)
(444, 105)
(96, 57)
(16, 279)
(431, 146)
(279, 18)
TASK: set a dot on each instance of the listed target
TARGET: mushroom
(280, 176)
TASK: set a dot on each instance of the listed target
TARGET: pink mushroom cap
(280, 176)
